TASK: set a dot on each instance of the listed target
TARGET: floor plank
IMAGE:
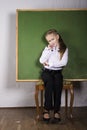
(25, 119)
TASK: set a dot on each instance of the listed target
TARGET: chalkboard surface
(30, 28)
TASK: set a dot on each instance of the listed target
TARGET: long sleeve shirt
(52, 58)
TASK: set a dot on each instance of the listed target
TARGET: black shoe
(46, 119)
(56, 118)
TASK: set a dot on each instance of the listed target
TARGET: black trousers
(53, 81)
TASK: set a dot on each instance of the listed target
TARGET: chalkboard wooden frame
(17, 42)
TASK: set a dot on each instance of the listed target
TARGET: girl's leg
(48, 82)
(57, 91)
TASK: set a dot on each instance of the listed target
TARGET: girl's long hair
(62, 46)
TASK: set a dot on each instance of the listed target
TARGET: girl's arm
(45, 55)
(62, 62)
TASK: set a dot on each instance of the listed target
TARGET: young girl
(54, 58)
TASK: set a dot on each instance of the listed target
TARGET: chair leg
(41, 101)
(37, 102)
(71, 99)
(66, 101)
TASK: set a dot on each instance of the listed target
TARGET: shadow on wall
(11, 64)
(78, 86)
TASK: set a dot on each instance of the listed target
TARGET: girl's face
(52, 39)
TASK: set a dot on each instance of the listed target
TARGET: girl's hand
(50, 46)
(45, 64)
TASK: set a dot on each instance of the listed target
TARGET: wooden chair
(39, 87)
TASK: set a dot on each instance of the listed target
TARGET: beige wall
(19, 94)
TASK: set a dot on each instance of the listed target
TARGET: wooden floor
(24, 119)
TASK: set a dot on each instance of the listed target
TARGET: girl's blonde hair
(62, 46)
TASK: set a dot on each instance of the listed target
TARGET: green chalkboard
(30, 28)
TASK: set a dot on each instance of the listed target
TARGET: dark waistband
(49, 70)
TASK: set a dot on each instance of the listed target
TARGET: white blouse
(52, 58)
